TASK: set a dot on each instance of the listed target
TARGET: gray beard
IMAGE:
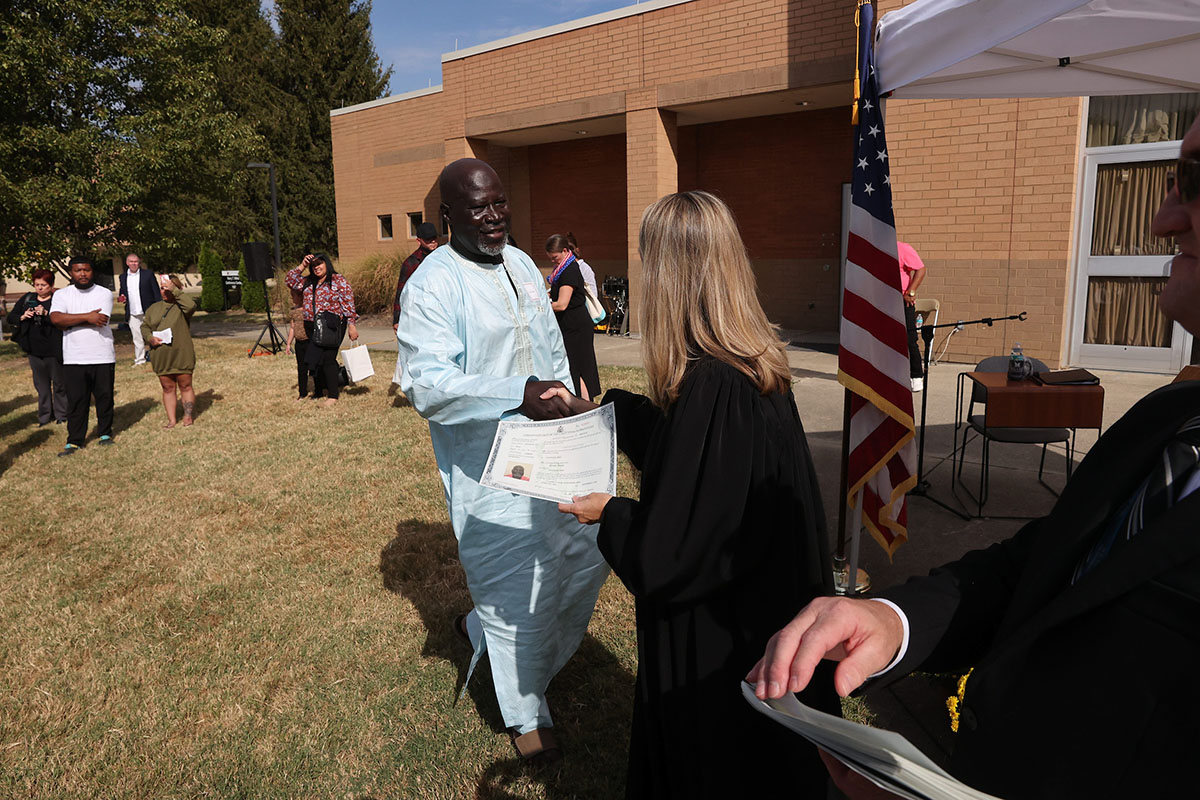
(491, 249)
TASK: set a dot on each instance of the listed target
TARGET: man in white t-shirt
(82, 310)
(139, 291)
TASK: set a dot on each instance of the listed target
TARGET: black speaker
(258, 263)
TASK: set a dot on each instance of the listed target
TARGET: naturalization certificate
(557, 459)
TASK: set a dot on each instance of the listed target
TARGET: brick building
(590, 121)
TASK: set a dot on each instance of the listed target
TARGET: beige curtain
(1124, 311)
(1138, 118)
(1127, 198)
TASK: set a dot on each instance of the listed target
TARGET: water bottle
(1018, 368)
(920, 320)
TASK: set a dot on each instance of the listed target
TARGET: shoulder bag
(594, 308)
(327, 326)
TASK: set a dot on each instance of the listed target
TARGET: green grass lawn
(260, 605)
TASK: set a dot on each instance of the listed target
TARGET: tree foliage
(254, 296)
(326, 60)
(129, 124)
(212, 298)
(103, 108)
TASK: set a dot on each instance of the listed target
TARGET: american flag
(873, 356)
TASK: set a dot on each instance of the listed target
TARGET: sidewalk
(914, 706)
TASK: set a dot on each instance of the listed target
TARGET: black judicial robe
(726, 544)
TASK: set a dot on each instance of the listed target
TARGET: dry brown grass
(260, 605)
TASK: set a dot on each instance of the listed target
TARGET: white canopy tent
(1039, 48)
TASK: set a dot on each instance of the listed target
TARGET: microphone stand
(923, 486)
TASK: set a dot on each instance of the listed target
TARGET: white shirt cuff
(903, 642)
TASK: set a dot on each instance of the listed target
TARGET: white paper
(164, 336)
(884, 757)
(556, 459)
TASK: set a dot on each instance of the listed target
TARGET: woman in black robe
(728, 538)
(567, 289)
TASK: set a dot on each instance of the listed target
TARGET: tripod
(276, 340)
(923, 486)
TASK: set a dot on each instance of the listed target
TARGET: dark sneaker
(106, 439)
(70, 450)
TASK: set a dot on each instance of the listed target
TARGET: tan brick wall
(985, 191)
(386, 161)
(652, 169)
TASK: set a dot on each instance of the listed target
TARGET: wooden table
(1029, 404)
(1023, 404)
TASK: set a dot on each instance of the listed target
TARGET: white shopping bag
(358, 363)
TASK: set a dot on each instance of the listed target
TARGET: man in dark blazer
(136, 302)
(1083, 629)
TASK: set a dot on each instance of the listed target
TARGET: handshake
(551, 400)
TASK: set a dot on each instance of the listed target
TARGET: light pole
(276, 340)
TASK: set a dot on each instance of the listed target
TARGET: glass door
(1122, 267)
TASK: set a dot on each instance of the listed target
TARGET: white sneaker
(918, 384)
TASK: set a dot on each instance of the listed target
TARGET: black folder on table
(1067, 377)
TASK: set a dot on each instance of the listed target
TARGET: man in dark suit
(139, 291)
(1083, 629)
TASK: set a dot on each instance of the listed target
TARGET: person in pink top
(912, 273)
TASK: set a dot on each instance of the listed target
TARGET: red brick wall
(579, 186)
(782, 178)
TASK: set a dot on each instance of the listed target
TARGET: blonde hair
(699, 297)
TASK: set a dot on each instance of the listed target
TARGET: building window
(414, 221)
(385, 227)
(1140, 118)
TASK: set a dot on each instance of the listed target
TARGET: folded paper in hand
(883, 757)
(164, 336)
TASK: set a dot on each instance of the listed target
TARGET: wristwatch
(911, 293)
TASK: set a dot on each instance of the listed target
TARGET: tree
(108, 123)
(325, 60)
(254, 298)
(212, 297)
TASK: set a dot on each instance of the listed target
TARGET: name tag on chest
(531, 290)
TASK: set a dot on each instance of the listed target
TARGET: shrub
(253, 296)
(373, 279)
(211, 297)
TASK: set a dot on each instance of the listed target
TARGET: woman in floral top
(324, 291)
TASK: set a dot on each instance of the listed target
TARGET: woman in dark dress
(728, 537)
(570, 308)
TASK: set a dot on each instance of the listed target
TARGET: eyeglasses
(1186, 176)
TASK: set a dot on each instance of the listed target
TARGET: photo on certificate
(555, 460)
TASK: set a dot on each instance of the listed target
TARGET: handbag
(358, 363)
(594, 308)
(327, 326)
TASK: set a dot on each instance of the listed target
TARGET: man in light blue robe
(478, 342)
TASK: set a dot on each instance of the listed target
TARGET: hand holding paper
(555, 460)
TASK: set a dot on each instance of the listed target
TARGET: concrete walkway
(916, 705)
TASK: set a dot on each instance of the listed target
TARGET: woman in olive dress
(727, 538)
(173, 361)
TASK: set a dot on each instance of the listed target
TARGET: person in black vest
(139, 291)
(43, 342)
(1082, 628)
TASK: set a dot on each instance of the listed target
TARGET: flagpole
(858, 586)
(842, 572)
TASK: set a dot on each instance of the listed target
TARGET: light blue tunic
(467, 345)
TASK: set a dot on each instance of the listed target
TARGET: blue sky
(412, 37)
